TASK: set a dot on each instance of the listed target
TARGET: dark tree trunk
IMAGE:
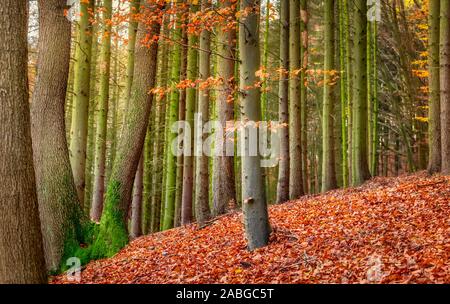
(21, 249)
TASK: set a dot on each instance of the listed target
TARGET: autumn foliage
(390, 230)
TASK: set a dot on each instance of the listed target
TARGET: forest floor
(390, 230)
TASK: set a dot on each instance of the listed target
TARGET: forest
(224, 141)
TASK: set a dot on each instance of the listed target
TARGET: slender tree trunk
(78, 130)
(344, 83)
(158, 147)
(202, 211)
(375, 137)
(256, 219)
(434, 122)
(283, 105)
(113, 229)
(303, 90)
(171, 170)
(360, 116)
(445, 85)
(136, 204)
(188, 172)
(55, 184)
(90, 148)
(295, 132)
(102, 115)
(224, 188)
(328, 153)
(21, 250)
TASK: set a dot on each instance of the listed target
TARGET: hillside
(390, 230)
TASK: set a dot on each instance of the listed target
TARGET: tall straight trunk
(113, 226)
(136, 203)
(80, 107)
(182, 144)
(344, 83)
(348, 34)
(224, 188)
(158, 148)
(283, 105)
(303, 89)
(102, 115)
(295, 132)
(21, 250)
(445, 85)
(328, 155)
(188, 163)
(55, 184)
(256, 218)
(171, 170)
(113, 113)
(434, 121)
(374, 94)
(90, 147)
(202, 211)
(360, 168)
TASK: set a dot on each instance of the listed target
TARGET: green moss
(112, 235)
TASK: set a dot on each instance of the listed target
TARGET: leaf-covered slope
(391, 230)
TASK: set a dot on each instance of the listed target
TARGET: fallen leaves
(391, 230)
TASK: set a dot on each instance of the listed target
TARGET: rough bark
(21, 250)
(59, 207)
(445, 85)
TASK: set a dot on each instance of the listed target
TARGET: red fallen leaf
(390, 230)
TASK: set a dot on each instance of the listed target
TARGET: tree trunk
(113, 229)
(295, 132)
(78, 130)
(59, 207)
(304, 19)
(202, 211)
(283, 105)
(136, 204)
(360, 166)
(102, 115)
(328, 153)
(445, 85)
(21, 250)
(224, 188)
(171, 170)
(188, 172)
(256, 219)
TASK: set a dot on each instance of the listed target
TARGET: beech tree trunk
(224, 188)
(102, 115)
(360, 168)
(21, 249)
(256, 219)
(80, 112)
